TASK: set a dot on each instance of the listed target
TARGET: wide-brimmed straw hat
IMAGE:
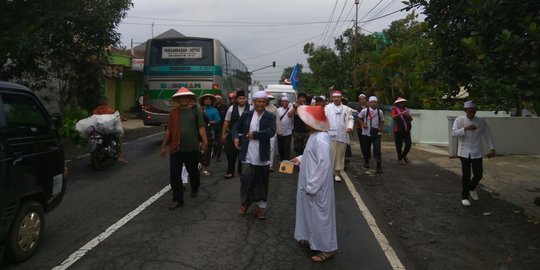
(212, 97)
(400, 99)
(183, 92)
(314, 117)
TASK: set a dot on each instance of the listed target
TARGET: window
(24, 117)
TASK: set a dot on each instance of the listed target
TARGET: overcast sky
(258, 32)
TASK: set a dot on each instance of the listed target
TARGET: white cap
(373, 98)
(361, 95)
(284, 98)
(469, 104)
(260, 94)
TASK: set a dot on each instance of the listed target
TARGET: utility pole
(356, 2)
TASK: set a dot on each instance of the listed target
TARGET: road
(206, 233)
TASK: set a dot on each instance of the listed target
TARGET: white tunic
(340, 118)
(316, 213)
(252, 155)
(470, 141)
(287, 123)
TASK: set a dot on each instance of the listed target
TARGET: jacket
(267, 130)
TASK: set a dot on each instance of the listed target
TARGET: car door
(36, 158)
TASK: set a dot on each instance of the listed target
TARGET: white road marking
(383, 242)
(75, 256)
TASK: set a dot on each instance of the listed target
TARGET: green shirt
(189, 131)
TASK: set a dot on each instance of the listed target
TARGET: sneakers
(466, 202)
(473, 195)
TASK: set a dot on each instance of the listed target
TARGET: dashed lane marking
(383, 242)
(75, 256)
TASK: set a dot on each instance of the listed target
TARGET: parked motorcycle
(102, 148)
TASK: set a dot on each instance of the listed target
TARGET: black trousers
(232, 156)
(400, 138)
(177, 160)
(477, 169)
(366, 148)
(362, 139)
(284, 147)
(217, 146)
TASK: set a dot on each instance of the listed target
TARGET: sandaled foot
(259, 213)
(243, 209)
(323, 256)
(228, 176)
(303, 243)
(205, 173)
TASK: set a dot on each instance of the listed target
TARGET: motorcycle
(102, 147)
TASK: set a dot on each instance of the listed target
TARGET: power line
(223, 26)
(232, 22)
(326, 28)
(380, 1)
(336, 24)
(282, 49)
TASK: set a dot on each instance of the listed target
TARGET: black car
(31, 170)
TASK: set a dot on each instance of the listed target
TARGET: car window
(23, 115)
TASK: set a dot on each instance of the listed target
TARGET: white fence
(512, 135)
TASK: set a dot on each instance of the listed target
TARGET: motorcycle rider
(104, 108)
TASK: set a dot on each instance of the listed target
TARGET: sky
(258, 32)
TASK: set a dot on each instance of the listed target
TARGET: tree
(490, 47)
(60, 46)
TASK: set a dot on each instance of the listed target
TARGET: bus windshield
(179, 52)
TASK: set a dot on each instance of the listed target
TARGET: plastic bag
(104, 123)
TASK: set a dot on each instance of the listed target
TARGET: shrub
(70, 118)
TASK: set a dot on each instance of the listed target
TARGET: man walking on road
(362, 104)
(470, 130)
(315, 226)
(372, 121)
(285, 114)
(186, 125)
(233, 114)
(257, 127)
(341, 124)
(402, 119)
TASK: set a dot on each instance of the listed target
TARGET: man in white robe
(315, 200)
(341, 125)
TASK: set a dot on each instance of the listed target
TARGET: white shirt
(252, 155)
(375, 119)
(340, 118)
(287, 123)
(229, 112)
(470, 141)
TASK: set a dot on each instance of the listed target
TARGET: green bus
(203, 65)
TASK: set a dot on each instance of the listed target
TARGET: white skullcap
(361, 95)
(469, 104)
(373, 98)
(260, 94)
(284, 98)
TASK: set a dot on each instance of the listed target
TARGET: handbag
(373, 132)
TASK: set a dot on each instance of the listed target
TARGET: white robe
(316, 214)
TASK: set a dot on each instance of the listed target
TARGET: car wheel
(25, 234)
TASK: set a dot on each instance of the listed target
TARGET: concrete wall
(511, 135)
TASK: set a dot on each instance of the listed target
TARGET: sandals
(243, 208)
(323, 256)
(259, 213)
(205, 173)
(228, 176)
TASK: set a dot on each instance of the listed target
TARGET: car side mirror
(57, 120)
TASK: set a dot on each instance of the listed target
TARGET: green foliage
(60, 46)
(70, 118)
(491, 47)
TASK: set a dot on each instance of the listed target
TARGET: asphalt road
(206, 233)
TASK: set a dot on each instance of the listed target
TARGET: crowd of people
(253, 135)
